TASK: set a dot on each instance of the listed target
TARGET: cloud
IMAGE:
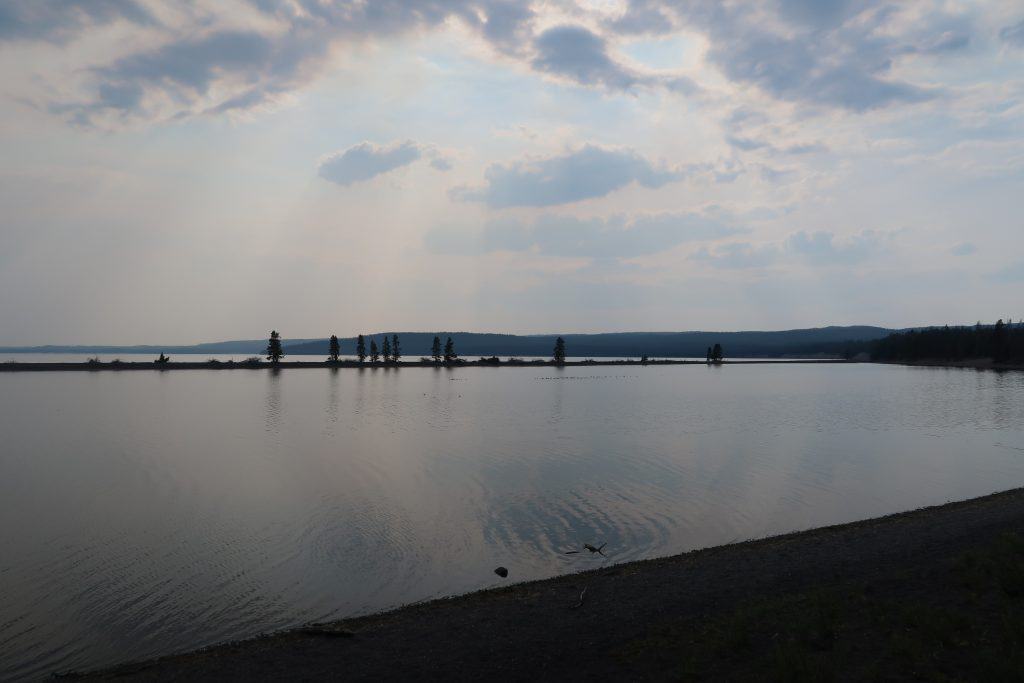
(213, 69)
(1011, 273)
(568, 236)
(576, 53)
(1013, 35)
(738, 255)
(643, 17)
(823, 247)
(963, 249)
(837, 54)
(61, 20)
(819, 248)
(366, 160)
(585, 173)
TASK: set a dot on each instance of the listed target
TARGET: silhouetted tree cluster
(559, 352)
(274, 351)
(389, 351)
(715, 353)
(335, 349)
(1002, 342)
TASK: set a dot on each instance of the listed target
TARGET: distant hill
(809, 342)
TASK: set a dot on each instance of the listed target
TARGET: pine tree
(396, 350)
(709, 354)
(716, 353)
(335, 350)
(374, 353)
(361, 348)
(435, 349)
(274, 351)
(559, 353)
(386, 351)
(449, 351)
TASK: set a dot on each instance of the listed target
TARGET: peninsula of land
(95, 366)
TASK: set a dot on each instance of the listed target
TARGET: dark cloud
(568, 236)
(60, 20)
(366, 160)
(830, 53)
(579, 54)
(252, 66)
(585, 173)
(196, 62)
(1013, 35)
(643, 17)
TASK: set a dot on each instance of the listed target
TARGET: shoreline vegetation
(935, 593)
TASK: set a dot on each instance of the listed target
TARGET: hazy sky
(188, 171)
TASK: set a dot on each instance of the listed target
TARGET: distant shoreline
(16, 366)
(105, 366)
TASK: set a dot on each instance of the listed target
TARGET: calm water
(145, 513)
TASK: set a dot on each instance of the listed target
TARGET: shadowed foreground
(934, 593)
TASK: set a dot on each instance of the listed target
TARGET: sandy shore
(933, 592)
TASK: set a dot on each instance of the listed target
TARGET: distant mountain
(810, 342)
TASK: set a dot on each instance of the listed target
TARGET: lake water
(145, 513)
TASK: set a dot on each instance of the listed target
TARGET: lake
(144, 513)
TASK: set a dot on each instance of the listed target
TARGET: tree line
(1002, 342)
(390, 350)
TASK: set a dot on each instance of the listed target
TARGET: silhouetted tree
(335, 349)
(386, 351)
(274, 351)
(449, 351)
(716, 353)
(435, 349)
(999, 341)
(559, 352)
(374, 353)
(396, 350)
(361, 348)
(163, 359)
(709, 354)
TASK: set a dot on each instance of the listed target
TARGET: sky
(177, 172)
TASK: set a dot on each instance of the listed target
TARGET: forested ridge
(1002, 342)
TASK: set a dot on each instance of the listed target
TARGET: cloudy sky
(187, 171)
